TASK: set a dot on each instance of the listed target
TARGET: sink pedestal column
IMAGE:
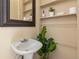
(28, 56)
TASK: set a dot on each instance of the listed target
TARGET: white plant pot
(51, 13)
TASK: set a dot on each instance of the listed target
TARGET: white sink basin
(26, 47)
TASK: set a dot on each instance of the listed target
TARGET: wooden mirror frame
(5, 16)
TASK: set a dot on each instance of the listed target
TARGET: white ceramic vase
(72, 10)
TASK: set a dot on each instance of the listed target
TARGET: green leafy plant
(51, 9)
(49, 45)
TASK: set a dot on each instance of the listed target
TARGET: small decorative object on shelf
(73, 10)
(49, 45)
(43, 13)
(51, 11)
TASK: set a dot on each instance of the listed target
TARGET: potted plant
(49, 45)
(51, 11)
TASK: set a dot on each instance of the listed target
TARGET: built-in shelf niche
(58, 5)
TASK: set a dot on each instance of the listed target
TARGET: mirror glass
(21, 10)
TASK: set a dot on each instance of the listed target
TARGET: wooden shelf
(51, 2)
(49, 17)
(50, 24)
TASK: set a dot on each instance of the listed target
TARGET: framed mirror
(17, 12)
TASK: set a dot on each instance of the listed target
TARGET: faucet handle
(24, 40)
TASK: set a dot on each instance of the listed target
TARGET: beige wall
(78, 30)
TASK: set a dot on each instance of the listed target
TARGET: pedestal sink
(26, 47)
